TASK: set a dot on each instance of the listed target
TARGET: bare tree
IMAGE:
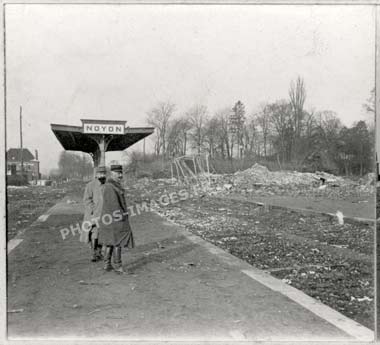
(280, 117)
(324, 140)
(224, 135)
(173, 138)
(238, 120)
(74, 165)
(159, 117)
(264, 122)
(197, 117)
(212, 133)
(177, 136)
(251, 135)
(184, 128)
(297, 95)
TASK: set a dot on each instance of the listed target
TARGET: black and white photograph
(189, 172)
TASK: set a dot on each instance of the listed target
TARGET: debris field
(309, 251)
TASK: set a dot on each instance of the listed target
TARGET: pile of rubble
(259, 180)
(260, 175)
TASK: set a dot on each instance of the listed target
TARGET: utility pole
(22, 155)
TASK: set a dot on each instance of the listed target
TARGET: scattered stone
(340, 217)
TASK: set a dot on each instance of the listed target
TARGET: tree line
(282, 131)
(73, 165)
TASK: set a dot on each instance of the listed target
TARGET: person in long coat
(93, 201)
(114, 229)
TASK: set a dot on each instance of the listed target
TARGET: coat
(92, 199)
(118, 232)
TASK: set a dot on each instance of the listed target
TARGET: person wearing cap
(92, 199)
(117, 233)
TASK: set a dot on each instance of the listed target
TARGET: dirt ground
(26, 203)
(174, 289)
(311, 252)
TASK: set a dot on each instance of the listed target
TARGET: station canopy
(86, 139)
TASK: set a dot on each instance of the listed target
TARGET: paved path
(179, 287)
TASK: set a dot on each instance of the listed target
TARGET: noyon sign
(97, 136)
(101, 128)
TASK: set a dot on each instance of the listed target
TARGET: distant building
(31, 164)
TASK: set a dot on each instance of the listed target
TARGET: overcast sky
(67, 62)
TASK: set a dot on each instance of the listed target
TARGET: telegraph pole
(22, 155)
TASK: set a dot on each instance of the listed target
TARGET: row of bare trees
(283, 131)
(73, 165)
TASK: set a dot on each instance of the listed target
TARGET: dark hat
(101, 169)
(117, 167)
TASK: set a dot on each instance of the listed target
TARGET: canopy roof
(72, 138)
